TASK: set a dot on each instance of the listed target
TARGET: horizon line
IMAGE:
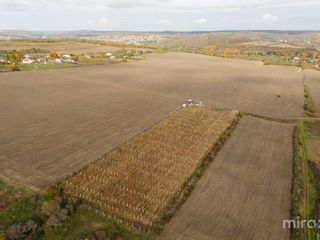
(182, 31)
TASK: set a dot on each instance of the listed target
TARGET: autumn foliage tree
(19, 56)
(75, 58)
(12, 57)
(53, 55)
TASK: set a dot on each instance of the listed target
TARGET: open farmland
(50, 126)
(136, 181)
(312, 79)
(270, 44)
(245, 193)
(227, 83)
(56, 121)
(60, 47)
(231, 83)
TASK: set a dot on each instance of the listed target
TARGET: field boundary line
(269, 118)
(298, 184)
(17, 184)
(266, 117)
(309, 109)
(22, 171)
(306, 178)
(187, 188)
(280, 119)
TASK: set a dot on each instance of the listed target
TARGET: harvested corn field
(136, 181)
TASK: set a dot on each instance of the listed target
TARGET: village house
(27, 61)
(67, 58)
(41, 60)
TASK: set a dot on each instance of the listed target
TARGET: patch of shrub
(14, 67)
(308, 108)
(17, 231)
(50, 208)
(52, 192)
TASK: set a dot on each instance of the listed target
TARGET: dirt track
(55, 121)
(245, 192)
(313, 83)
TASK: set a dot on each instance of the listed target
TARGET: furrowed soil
(54, 122)
(313, 141)
(245, 192)
(312, 79)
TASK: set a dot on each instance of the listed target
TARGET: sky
(159, 15)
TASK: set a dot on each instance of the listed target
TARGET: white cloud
(127, 3)
(269, 17)
(199, 21)
(186, 5)
(105, 21)
(153, 15)
(183, 5)
(285, 4)
(164, 21)
(86, 22)
(14, 5)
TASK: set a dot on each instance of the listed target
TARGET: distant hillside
(18, 34)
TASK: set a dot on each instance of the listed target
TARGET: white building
(41, 60)
(68, 60)
(27, 61)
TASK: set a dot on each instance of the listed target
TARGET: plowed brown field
(56, 121)
(245, 192)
